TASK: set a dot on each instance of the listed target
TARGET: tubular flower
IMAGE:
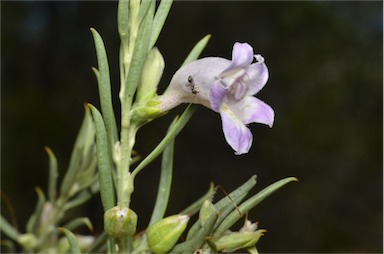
(226, 87)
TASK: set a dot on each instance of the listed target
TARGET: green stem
(124, 179)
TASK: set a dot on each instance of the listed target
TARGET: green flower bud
(206, 210)
(163, 235)
(150, 78)
(28, 241)
(120, 222)
(236, 241)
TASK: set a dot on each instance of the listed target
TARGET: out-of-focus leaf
(33, 221)
(53, 175)
(74, 245)
(74, 224)
(8, 229)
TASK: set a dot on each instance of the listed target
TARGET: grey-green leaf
(159, 20)
(104, 161)
(73, 244)
(165, 181)
(8, 229)
(197, 49)
(75, 223)
(53, 175)
(249, 204)
(104, 83)
(181, 122)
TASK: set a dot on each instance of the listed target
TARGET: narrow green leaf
(165, 181)
(196, 51)
(73, 244)
(75, 223)
(105, 88)
(80, 199)
(159, 20)
(8, 246)
(8, 229)
(138, 59)
(195, 207)
(198, 239)
(53, 175)
(168, 138)
(99, 244)
(144, 6)
(104, 161)
(227, 204)
(85, 134)
(123, 21)
(249, 204)
(33, 222)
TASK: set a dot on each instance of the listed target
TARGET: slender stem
(125, 187)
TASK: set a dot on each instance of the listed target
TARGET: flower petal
(242, 54)
(252, 110)
(237, 135)
(257, 76)
(242, 57)
(217, 95)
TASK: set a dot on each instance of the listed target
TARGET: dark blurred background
(325, 62)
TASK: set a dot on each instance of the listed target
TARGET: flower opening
(227, 87)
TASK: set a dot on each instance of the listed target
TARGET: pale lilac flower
(226, 87)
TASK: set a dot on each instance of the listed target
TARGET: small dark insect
(191, 85)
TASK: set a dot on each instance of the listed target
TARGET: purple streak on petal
(217, 95)
(237, 135)
(257, 75)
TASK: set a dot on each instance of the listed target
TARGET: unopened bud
(152, 71)
(163, 235)
(28, 241)
(236, 241)
(120, 222)
(206, 210)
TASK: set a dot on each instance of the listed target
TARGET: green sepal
(145, 111)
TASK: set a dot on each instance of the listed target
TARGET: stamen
(259, 59)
